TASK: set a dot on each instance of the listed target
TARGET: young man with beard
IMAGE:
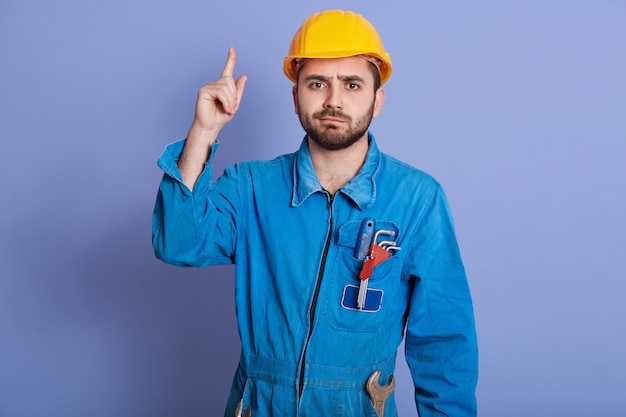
(370, 252)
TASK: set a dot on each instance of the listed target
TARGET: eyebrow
(347, 78)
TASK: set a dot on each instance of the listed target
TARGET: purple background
(518, 108)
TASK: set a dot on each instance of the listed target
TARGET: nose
(333, 99)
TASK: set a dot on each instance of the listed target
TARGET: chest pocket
(340, 309)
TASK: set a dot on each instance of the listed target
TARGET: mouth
(332, 117)
(331, 120)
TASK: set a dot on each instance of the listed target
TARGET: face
(335, 101)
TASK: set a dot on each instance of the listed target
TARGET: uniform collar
(361, 189)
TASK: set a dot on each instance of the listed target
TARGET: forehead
(337, 67)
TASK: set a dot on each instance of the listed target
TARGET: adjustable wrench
(379, 394)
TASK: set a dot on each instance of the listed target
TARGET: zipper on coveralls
(318, 284)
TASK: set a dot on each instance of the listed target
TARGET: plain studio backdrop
(517, 107)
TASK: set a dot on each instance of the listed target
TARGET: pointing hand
(219, 100)
(216, 105)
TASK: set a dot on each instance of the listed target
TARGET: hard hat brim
(291, 71)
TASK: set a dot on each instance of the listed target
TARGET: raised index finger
(230, 63)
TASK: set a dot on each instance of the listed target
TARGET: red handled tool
(378, 253)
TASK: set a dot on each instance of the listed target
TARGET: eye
(353, 86)
(316, 85)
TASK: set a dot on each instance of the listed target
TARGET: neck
(335, 168)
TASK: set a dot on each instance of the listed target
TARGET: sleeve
(195, 228)
(440, 346)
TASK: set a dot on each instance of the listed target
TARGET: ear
(379, 100)
(294, 93)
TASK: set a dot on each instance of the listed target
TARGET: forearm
(441, 345)
(195, 154)
(193, 228)
(444, 366)
(174, 229)
(185, 216)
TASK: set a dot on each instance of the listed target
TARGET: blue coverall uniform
(306, 349)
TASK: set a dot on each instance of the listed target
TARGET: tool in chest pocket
(375, 254)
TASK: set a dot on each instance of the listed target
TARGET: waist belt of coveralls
(284, 373)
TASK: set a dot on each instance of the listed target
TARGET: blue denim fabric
(307, 355)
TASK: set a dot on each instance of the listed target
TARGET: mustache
(332, 113)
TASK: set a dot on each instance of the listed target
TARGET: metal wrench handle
(239, 409)
(378, 393)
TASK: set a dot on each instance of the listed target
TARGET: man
(340, 249)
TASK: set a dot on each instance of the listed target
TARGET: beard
(329, 136)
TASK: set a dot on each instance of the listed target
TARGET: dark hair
(376, 74)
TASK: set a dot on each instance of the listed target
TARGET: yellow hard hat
(336, 34)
